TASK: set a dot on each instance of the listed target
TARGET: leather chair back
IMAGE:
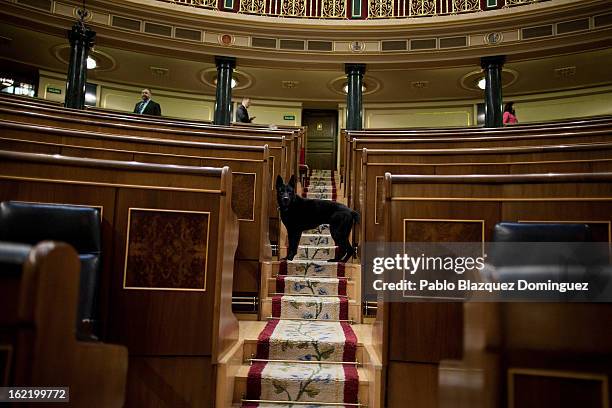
(567, 239)
(79, 226)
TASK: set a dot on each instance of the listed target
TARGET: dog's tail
(356, 217)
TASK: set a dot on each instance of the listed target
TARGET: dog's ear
(292, 181)
(279, 182)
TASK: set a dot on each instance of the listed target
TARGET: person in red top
(509, 114)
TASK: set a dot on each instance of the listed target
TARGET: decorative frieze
(333, 8)
(293, 8)
(210, 4)
(380, 8)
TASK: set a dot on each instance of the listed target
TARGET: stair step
(351, 271)
(320, 196)
(314, 188)
(307, 341)
(301, 285)
(250, 345)
(251, 330)
(240, 384)
(316, 239)
(354, 308)
(311, 252)
(321, 229)
(292, 405)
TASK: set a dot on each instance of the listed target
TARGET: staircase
(308, 352)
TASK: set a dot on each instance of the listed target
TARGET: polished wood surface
(479, 144)
(424, 332)
(250, 199)
(172, 324)
(587, 158)
(135, 125)
(125, 146)
(570, 125)
(412, 385)
(500, 338)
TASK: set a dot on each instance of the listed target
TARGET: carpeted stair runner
(298, 285)
(307, 351)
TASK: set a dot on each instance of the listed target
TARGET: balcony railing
(352, 9)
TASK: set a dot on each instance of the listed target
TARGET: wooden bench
(250, 195)
(584, 158)
(169, 240)
(465, 209)
(38, 293)
(570, 125)
(357, 145)
(136, 125)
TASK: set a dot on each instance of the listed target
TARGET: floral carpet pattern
(307, 351)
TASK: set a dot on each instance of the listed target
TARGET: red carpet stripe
(263, 341)
(350, 343)
(340, 270)
(282, 268)
(351, 384)
(280, 284)
(276, 306)
(343, 309)
(342, 286)
(254, 380)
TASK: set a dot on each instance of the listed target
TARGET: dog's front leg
(294, 240)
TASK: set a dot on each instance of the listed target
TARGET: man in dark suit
(147, 106)
(242, 115)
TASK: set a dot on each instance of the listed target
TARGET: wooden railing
(339, 9)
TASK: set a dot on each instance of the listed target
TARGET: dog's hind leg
(294, 240)
(339, 234)
(350, 251)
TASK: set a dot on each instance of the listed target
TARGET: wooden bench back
(466, 209)
(357, 145)
(250, 195)
(148, 209)
(570, 125)
(136, 125)
(169, 240)
(585, 158)
(197, 150)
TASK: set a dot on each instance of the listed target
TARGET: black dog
(301, 214)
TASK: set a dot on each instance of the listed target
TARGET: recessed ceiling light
(482, 83)
(234, 82)
(91, 62)
(345, 88)
(90, 98)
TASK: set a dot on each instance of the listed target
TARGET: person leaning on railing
(147, 106)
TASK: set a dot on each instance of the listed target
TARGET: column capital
(80, 32)
(354, 69)
(225, 62)
(498, 60)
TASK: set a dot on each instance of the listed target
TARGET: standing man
(147, 106)
(242, 115)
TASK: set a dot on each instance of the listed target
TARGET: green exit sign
(52, 90)
(289, 117)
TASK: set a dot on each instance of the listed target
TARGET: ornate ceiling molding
(105, 61)
(539, 29)
(243, 80)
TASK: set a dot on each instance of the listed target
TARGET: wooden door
(321, 138)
